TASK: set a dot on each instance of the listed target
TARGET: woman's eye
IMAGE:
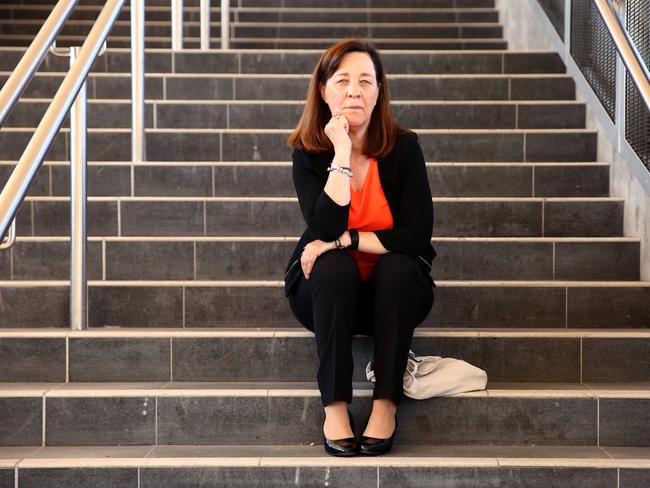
(367, 82)
(342, 81)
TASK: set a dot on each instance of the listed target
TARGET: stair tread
(297, 331)
(313, 455)
(277, 283)
(310, 388)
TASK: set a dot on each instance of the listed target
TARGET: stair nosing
(295, 199)
(488, 240)
(306, 76)
(185, 164)
(327, 461)
(279, 389)
(280, 283)
(422, 52)
(300, 332)
(150, 130)
(197, 101)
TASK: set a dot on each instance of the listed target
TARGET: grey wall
(524, 29)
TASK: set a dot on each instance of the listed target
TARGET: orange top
(369, 211)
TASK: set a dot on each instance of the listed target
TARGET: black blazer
(403, 178)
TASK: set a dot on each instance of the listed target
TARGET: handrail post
(137, 84)
(78, 278)
(205, 25)
(225, 24)
(177, 25)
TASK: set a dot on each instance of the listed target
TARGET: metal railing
(24, 72)
(177, 24)
(604, 44)
(626, 49)
(72, 90)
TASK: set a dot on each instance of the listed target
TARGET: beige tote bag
(429, 376)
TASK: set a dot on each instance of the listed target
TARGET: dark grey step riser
(219, 146)
(358, 476)
(252, 306)
(276, 181)
(288, 359)
(277, 116)
(272, 218)
(192, 88)
(361, 17)
(308, 3)
(282, 31)
(301, 63)
(290, 420)
(193, 15)
(269, 44)
(188, 260)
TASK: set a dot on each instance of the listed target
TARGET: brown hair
(310, 135)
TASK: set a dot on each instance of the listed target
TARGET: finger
(310, 265)
(303, 265)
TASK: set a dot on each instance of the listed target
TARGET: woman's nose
(354, 90)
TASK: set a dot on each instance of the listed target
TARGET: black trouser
(335, 303)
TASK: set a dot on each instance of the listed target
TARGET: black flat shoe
(374, 446)
(342, 447)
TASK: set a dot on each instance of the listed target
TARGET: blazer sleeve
(414, 223)
(327, 219)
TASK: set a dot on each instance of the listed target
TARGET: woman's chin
(357, 122)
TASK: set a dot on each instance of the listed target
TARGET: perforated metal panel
(594, 52)
(555, 12)
(637, 115)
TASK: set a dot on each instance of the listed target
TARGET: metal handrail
(72, 90)
(16, 187)
(626, 49)
(11, 237)
(33, 57)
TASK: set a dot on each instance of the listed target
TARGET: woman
(362, 265)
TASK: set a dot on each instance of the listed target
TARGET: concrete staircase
(195, 373)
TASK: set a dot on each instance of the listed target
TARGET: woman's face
(352, 90)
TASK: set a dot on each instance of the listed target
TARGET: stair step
(270, 466)
(273, 179)
(450, 145)
(282, 29)
(303, 61)
(123, 258)
(292, 413)
(273, 14)
(573, 304)
(186, 86)
(267, 216)
(416, 114)
(275, 43)
(32, 356)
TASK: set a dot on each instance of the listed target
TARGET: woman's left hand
(311, 252)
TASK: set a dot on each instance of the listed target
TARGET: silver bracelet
(335, 167)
